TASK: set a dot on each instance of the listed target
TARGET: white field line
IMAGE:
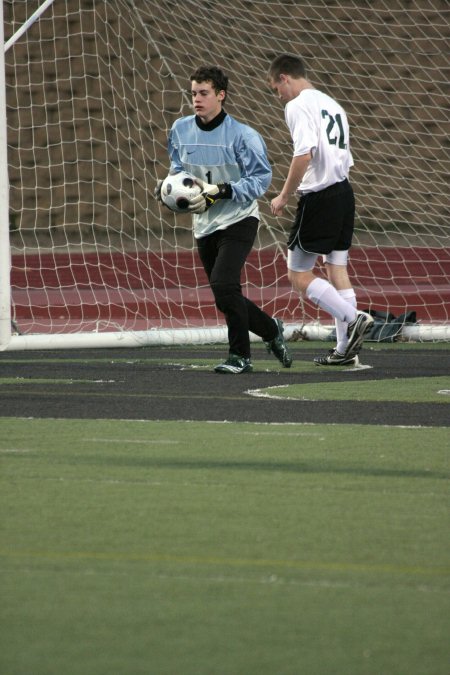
(146, 441)
(168, 441)
(282, 434)
(265, 393)
(272, 579)
(16, 451)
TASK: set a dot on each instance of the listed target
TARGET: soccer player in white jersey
(324, 220)
(229, 159)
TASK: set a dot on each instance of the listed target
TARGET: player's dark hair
(211, 74)
(287, 64)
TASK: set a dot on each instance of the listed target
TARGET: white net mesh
(94, 86)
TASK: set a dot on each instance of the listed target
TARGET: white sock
(322, 293)
(347, 294)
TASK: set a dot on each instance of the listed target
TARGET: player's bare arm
(297, 170)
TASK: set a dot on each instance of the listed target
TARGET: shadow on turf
(288, 467)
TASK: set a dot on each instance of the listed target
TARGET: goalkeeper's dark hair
(211, 74)
(287, 64)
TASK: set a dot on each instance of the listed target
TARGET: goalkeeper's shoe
(356, 332)
(333, 358)
(234, 365)
(278, 346)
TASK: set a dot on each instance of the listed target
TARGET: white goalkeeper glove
(197, 204)
(157, 190)
(209, 196)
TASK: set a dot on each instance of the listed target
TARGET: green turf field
(189, 548)
(410, 390)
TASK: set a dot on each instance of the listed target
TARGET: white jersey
(319, 125)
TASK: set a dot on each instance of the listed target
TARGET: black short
(324, 220)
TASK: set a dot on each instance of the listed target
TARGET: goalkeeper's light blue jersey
(230, 153)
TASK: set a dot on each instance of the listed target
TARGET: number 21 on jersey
(335, 130)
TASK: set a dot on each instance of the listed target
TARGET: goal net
(92, 88)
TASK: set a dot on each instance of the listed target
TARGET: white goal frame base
(198, 336)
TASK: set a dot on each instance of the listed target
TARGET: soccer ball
(178, 190)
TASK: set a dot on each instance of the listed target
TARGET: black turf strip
(124, 384)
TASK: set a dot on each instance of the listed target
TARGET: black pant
(223, 254)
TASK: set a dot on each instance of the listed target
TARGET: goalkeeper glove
(212, 193)
(197, 204)
(157, 190)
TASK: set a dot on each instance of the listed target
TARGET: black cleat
(234, 365)
(333, 358)
(278, 346)
(356, 331)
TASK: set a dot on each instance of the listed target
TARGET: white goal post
(88, 91)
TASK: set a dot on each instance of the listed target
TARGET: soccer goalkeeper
(229, 159)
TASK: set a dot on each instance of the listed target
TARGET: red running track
(141, 290)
